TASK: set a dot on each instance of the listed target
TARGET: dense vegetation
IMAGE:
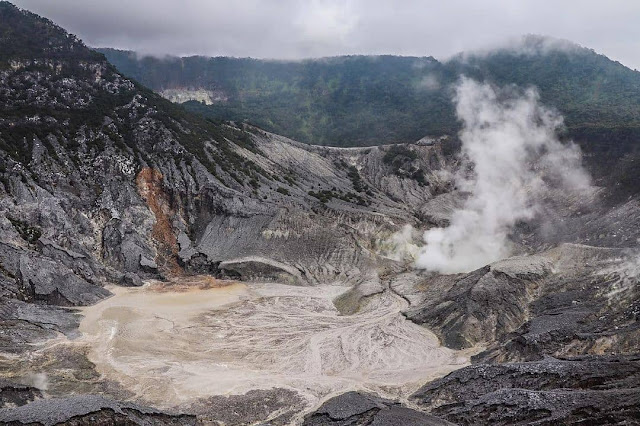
(366, 100)
(25, 35)
(335, 101)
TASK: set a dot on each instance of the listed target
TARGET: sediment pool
(171, 345)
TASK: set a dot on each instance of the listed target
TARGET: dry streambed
(172, 346)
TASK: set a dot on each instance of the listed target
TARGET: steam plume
(512, 158)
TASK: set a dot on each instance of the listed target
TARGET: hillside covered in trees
(371, 100)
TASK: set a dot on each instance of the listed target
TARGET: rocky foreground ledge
(602, 389)
(88, 409)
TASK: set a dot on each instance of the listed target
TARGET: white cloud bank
(294, 29)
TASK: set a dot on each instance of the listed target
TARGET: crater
(175, 345)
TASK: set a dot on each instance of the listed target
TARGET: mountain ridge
(392, 98)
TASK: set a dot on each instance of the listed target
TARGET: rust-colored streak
(150, 187)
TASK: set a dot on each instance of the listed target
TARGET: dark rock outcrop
(569, 300)
(598, 388)
(273, 406)
(15, 395)
(354, 408)
(89, 409)
(25, 323)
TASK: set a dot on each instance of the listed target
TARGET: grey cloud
(291, 29)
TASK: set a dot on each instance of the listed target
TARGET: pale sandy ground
(172, 347)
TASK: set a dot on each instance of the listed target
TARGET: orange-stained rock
(151, 188)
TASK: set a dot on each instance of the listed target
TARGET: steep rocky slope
(106, 178)
(104, 182)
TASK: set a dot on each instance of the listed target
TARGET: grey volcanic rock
(564, 301)
(25, 323)
(131, 280)
(588, 372)
(590, 308)
(88, 409)
(601, 389)
(354, 408)
(258, 268)
(273, 407)
(46, 280)
(574, 302)
(523, 406)
(326, 239)
(13, 394)
(477, 307)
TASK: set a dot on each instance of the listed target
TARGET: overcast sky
(290, 29)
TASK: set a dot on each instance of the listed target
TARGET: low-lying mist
(511, 159)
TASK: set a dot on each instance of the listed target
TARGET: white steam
(512, 159)
(625, 274)
(39, 381)
(400, 246)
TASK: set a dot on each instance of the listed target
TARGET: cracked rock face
(601, 389)
(88, 409)
(353, 408)
(568, 300)
(13, 394)
(562, 352)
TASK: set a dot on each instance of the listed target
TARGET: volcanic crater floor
(172, 346)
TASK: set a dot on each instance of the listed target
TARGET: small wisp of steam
(39, 381)
(511, 159)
